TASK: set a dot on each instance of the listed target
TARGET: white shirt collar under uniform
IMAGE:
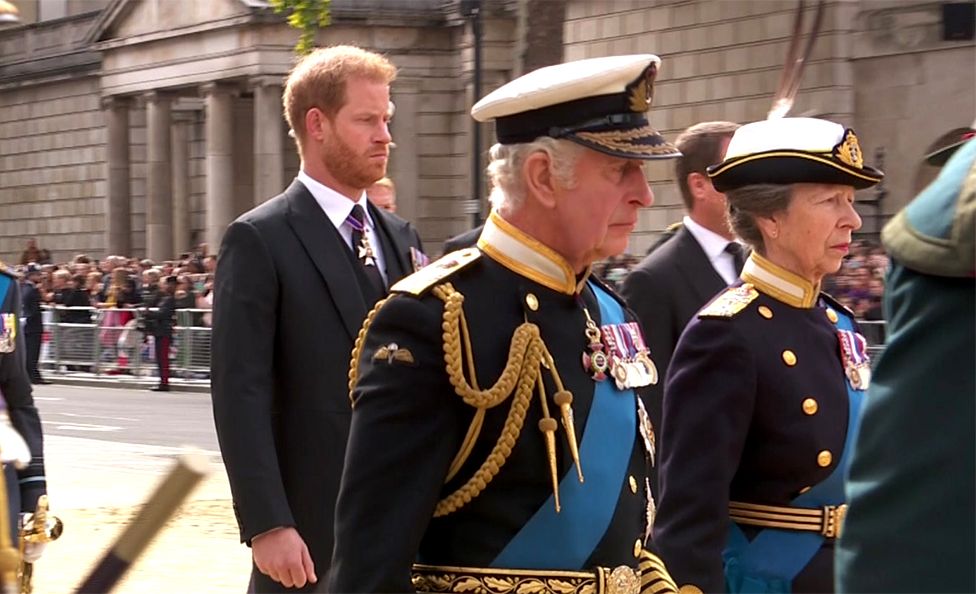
(714, 245)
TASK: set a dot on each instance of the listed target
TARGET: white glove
(33, 551)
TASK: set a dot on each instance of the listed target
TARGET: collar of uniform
(527, 256)
(779, 283)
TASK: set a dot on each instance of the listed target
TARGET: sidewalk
(97, 486)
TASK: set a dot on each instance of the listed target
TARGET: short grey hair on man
(748, 203)
(507, 160)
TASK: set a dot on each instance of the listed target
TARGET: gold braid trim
(521, 372)
(358, 346)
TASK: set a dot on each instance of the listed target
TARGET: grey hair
(748, 203)
(505, 168)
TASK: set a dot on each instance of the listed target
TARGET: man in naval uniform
(27, 483)
(497, 444)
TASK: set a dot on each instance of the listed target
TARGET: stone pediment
(133, 20)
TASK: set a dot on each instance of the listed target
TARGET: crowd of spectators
(118, 282)
(859, 284)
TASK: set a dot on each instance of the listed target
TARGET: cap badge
(641, 94)
(849, 151)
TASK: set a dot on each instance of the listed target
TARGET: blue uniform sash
(770, 562)
(565, 540)
(4, 285)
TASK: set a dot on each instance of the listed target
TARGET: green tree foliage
(308, 16)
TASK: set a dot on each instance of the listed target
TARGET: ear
(768, 226)
(316, 124)
(538, 178)
(699, 185)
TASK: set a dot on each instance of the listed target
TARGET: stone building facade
(142, 127)
(146, 126)
(879, 66)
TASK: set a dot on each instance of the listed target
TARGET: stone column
(159, 178)
(181, 181)
(220, 162)
(118, 227)
(269, 166)
(404, 168)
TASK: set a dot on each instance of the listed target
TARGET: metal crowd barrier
(92, 342)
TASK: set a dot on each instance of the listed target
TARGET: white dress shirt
(338, 208)
(713, 245)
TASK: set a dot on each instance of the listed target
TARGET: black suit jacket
(465, 240)
(665, 291)
(287, 308)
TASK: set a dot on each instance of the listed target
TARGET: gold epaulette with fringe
(731, 302)
(436, 272)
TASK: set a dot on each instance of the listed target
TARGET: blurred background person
(699, 258)
(30, 298)
(383, 194)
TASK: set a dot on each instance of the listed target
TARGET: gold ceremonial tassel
(564, 398)
(548, 427)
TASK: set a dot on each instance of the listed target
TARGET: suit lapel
(326, 249)
(394, 239)
(697, 268)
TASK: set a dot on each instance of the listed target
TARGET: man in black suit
(463, 240)
(33, 322)
(684, 272)
(295, 279)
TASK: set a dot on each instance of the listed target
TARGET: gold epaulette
(731, 302)
(437, 272)
(8, 270)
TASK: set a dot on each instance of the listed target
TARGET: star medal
(651, 510)
(366, 252)
(595, 360)
(646, 430)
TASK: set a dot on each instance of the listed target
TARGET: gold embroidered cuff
(828, 520)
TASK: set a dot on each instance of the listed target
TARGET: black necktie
(363, 250)
(738, 255)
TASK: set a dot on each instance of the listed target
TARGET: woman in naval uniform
(763, 395)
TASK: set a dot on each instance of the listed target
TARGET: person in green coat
(911, 524)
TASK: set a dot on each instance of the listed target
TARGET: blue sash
(4, 284)
(565, 540)
(770, 562)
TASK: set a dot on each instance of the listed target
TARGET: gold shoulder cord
(527, 356)
(358, 346)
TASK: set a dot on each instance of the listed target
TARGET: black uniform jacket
(286, 310)
(409, 422)
(17, 393)
(755, 411)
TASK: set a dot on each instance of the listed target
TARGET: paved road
(106, 450)
(129, 416)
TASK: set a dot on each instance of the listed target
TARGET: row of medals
(629, 371)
